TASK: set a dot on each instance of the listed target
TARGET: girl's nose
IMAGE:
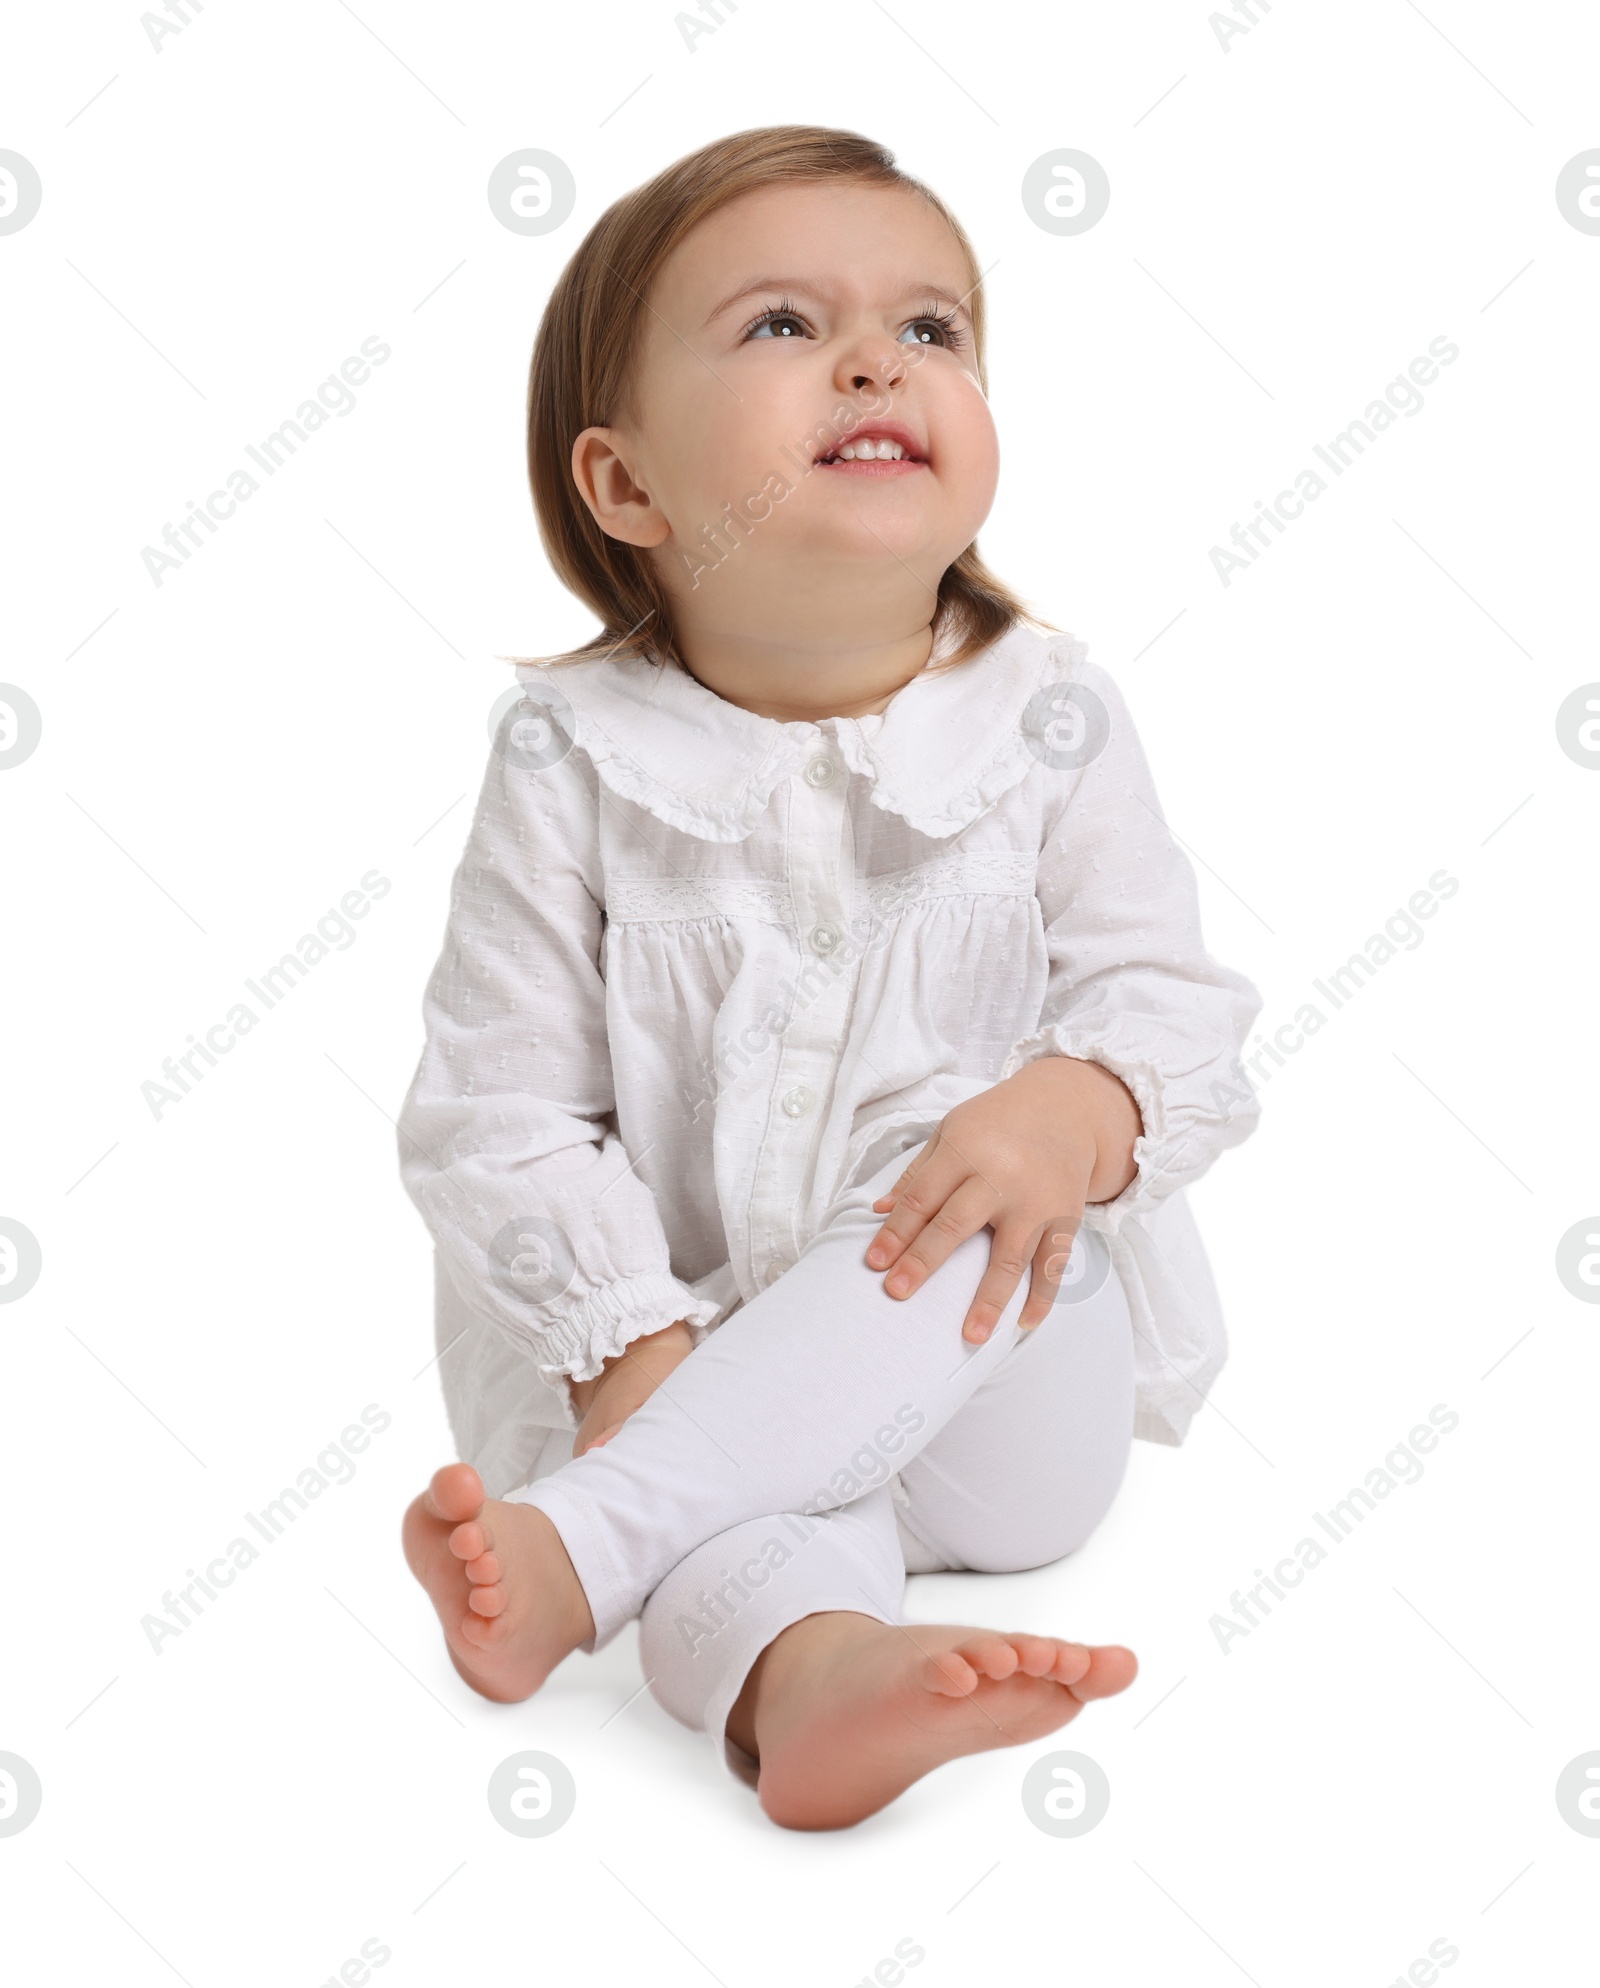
(885, 359)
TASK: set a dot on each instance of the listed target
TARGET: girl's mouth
(877, 467)
(875, 451)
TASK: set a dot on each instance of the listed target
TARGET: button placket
(808, 1051)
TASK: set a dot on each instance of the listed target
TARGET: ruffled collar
(949, 746)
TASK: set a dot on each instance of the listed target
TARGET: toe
(994, 1655)
(949, 1673)
(1036, 1655)
(483, 1571)
(490, 1600)
(484, 1632)
(1071, 1662)
(469, 1541)
(1111, 1669)
(456, 1492)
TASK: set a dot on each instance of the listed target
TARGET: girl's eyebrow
(801, 287)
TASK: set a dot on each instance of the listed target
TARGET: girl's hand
(626, 1382)
(1024, 1157)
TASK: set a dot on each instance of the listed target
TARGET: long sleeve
(1131, 985)
(507, 1143)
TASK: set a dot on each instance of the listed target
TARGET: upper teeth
(869, 451)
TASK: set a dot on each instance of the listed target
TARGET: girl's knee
(672, 1632)
(1030, 1524)
(1038, 1546)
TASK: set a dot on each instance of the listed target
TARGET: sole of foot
(499, 1578)
(853, 1711)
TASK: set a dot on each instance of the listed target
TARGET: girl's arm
(627, 1382)
(506, 1142)
(1129, 1087)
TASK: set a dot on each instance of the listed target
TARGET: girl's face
(789, 321)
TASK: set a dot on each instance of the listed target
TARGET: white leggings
(829, 1439)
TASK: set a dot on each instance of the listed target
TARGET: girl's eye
(771, 321)
(783, 321)
(937, 328)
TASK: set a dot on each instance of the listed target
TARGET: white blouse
(705, 970)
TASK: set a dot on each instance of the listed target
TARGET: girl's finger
(970, 1208)
(1050, 1260)
(929, 1188)
(922, 1153)
(1009, 1256)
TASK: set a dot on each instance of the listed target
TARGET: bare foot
(507, 1595)
(844, 1712)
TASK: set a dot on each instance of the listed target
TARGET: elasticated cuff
(599, 1327)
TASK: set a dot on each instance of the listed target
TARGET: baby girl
(823, 1036)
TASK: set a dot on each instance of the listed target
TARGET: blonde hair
(582, 376)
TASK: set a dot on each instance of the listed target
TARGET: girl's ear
(620, 506)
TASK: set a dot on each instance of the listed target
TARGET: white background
(1371, 1769)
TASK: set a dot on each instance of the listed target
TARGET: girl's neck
(803, 686)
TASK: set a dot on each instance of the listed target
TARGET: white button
(821, 772)
(798, 1101)
(823, 938)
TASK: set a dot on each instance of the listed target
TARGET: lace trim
(711, 817)
(969, 873)
(936, 804)
(651, 900)
(903, 791)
